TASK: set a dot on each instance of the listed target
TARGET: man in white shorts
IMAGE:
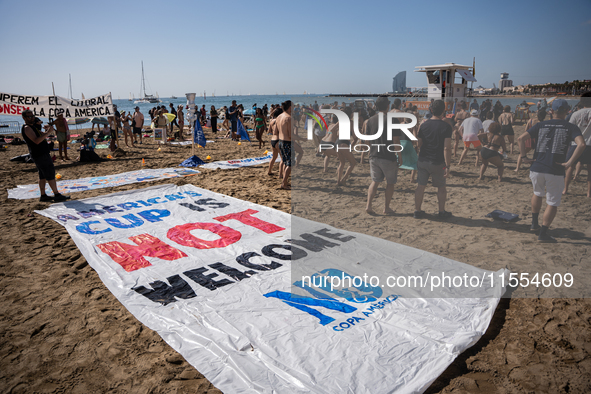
(553, 138)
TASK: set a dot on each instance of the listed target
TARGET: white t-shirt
(471, 127)
(582, 118)
(486, 124)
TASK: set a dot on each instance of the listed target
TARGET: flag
(242, 132)
(198, 136)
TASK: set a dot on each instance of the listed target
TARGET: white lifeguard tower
(447, 81)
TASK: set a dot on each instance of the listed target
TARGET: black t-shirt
(36, 150)
(433, 134)
(172, 110)
(379, 148)
(553, 139)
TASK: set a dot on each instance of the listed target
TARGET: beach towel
(502, 215)
(409, 155)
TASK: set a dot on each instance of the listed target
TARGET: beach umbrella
(99, 120)
(170, 117)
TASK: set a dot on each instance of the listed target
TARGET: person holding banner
(39, 151)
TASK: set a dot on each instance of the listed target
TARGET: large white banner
(51, 106)
(237, 163)
(211, 274)
(67, 186)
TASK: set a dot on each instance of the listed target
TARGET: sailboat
(130, 97)
(146, 98)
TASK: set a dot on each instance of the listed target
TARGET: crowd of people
(560, 144)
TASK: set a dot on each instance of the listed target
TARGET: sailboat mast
(143, 80)
(70, 75)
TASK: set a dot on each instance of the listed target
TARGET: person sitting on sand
(530, 143)
(490, 151)
(470, 129)
(383, 163)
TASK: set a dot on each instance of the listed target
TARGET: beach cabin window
(433, 77)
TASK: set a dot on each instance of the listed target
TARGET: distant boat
(130, 99)
(173, 97)
(146, 98)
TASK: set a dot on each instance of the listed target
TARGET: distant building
(505, 82)
(399, 83)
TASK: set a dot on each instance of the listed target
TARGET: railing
(10, 127)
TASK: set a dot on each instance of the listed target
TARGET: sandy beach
(63, 331)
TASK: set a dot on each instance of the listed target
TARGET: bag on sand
(502, 215)
(89, 156)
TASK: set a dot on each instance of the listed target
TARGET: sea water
(249, 100)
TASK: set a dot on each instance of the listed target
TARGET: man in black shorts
(434, 158)
(138, 122)
(283, 124)
(39, 150)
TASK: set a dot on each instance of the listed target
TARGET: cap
(136, 107)
(559, 103)
(474, 112)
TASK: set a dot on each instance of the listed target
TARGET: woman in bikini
(125, 118)
(260, 124)
(490, 152)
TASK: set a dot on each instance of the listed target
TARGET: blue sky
(268, 47)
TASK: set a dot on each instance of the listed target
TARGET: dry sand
(63, 331)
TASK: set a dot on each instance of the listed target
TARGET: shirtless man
(283, 125)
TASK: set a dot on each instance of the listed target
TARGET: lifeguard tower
(447, 81)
